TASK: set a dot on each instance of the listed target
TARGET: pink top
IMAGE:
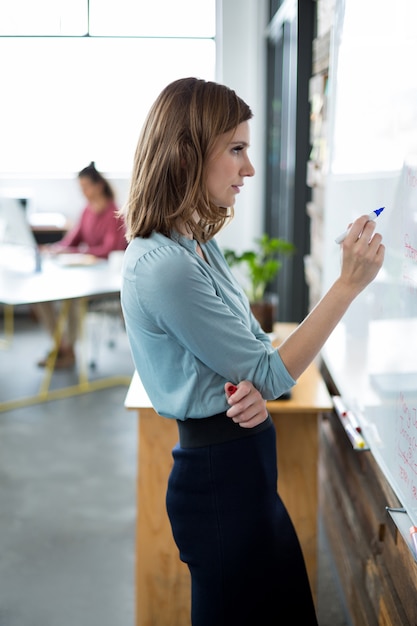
(96, 233)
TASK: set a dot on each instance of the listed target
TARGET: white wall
(241, 65)
(56, 195)
(243, 68)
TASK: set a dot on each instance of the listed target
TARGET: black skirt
(233, 530)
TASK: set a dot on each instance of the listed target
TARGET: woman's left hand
(247, 407)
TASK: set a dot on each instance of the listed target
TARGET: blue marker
(371, 216)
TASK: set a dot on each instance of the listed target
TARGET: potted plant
(261, 265)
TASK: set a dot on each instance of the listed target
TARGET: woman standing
(196, 345)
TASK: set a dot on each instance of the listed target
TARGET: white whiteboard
(372, 355)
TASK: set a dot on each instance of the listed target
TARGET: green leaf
(261, 263)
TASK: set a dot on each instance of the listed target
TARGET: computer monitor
(14, 226)
(17, 241)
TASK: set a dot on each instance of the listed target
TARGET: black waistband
(196, 433)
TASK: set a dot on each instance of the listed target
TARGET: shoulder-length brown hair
(168, 178)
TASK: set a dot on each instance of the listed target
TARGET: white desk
(56, 282)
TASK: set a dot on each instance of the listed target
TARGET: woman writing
(194, 340)
(98, 232)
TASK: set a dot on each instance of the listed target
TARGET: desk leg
(162, 581)
(8, 313)
(83, 368)
(84, 385)
(50, 363)
(297, 449)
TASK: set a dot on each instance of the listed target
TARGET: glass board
(372, 162)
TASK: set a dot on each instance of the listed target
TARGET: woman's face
(91, 190)
(228, 165)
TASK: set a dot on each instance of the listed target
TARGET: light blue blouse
(190, 328)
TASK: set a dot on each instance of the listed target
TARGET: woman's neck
(99, 204)
(184, 229)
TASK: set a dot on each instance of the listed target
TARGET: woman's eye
(237, 149)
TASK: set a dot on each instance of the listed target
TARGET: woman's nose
(249, 170)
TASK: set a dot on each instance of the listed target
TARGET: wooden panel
(297, 450)
(402, 568)
(376, 568)
(162, 580)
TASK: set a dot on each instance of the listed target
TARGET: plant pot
(266, 312)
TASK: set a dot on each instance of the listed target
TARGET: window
(68, 100)
(288, 146)
(164, 18)
(43, 17)
(111, 18)
(375, 87)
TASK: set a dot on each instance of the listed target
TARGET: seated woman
(98, 232)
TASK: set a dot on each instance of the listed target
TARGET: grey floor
(67, 494)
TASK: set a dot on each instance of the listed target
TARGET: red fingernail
(231, 389)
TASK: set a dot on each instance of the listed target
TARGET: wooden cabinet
(377, 570)
(162, 580)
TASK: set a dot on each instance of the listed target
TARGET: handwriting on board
(406, 445)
